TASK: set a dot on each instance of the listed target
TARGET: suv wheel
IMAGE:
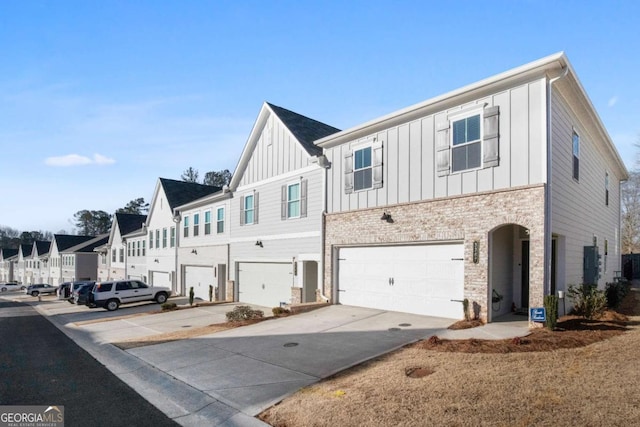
(112, 305)
(161, 298)
(34, 293)
(3, 289)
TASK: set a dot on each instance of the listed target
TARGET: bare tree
(217, 179)
(190, 175)
(630, 199)
(137, 206)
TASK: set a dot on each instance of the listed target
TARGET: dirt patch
(541, 379)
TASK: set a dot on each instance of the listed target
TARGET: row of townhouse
(64, 259)
(499, 192)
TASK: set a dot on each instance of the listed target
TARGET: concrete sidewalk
(226, 378)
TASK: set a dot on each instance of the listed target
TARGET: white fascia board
(285, 176)
(206, 200)
(556, 61)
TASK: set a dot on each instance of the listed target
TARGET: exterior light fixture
(259, 243)
(194, 251)
(156, 260)
(386, 217)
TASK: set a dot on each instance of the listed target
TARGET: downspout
(177, 217)
(548, 196)
(325, 165)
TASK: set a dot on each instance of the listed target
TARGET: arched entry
(509, 270)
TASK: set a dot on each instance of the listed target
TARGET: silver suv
(110, 295)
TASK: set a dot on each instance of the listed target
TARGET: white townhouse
(123, 223)
(80, 262)
(499, 192)
(58, 262)
(275, 214)
(40, 261)
(161, 226)
(136, 268)
(7, 262)
(23, 263)
(203, 247)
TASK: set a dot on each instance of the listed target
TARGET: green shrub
(210, 293)
(280, 311)
(243, 312)
(191, 295)
(169, 306)
(587, 300)
(615, 293)
(551, 307)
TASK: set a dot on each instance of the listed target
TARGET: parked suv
(110, 295)
(40, 289)
(81, 295)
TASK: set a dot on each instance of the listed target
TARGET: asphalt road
(39, 365)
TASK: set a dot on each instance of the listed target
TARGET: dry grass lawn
(584, 374)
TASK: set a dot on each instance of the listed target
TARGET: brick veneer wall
(461, 218)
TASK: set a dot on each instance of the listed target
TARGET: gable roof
(25, 250)
(89, 245)
(7, 253)
(181, 192)
(42, 247)
(305, 129)
(128, 222)
(65, 241)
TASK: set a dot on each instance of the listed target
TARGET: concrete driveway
(226, 378)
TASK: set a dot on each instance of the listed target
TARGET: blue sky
(100, 98)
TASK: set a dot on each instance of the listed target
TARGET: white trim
(299, 200)
(360, 147)
(282, 177)
(459, 116)
(266, 238)
(467, 112)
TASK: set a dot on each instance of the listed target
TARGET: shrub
(243, 312)
(191, 295)
(551, 307)
(280, 311)
(169, 306)
(615, 293)
(210, 293)
(588, 301)
(465, 308)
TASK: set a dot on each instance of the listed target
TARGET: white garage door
(265, 283)
(421, 279)
(200, 278)
(160, 278)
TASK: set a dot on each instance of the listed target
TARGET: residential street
(39, 365)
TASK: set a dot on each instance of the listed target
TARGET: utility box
(591, 265)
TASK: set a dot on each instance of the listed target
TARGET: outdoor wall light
(259, 243)
(386, 217)
(156, 260)
(194, 251)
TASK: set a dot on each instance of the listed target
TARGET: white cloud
(613, 101)
(78, 160)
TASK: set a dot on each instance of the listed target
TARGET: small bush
(169, 306)
(434, 340)
(588, 301)
(191, 295)
(243, 312)
(465, 308)
(210, 293)
(551, 307)
(615, 293)
(280, 311)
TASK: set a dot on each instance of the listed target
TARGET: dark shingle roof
(26, 249)
(90, 245)
(305, 130)
(65, 241)
(181, 192)
(8, 253)
(43, 247)
(128, 223)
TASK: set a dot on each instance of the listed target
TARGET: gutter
(547, 194)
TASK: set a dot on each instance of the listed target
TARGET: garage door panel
(200, 277)
(265, 284)
(421, 279)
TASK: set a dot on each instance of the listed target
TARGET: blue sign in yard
(538, 314)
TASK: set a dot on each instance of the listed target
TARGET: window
(362, 170)
(144, 248)
(207, 223)
(466, 144)
(113, 257)
(576, 156)
(248, 209)
(128, 248)
(138, 247)
(606, 189)
(196, 224)
(173, 237)
(293, 198)
(150, 240)
(186, 226)
(121, 254)
(158, 238)
(220, 220)
(164, 237)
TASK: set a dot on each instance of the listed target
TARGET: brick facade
(466, 218)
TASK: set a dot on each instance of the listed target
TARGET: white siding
(409, 155)
(578, 207)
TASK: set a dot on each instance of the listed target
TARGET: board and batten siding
(409, 165)
(578, 207)
(277, 152)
